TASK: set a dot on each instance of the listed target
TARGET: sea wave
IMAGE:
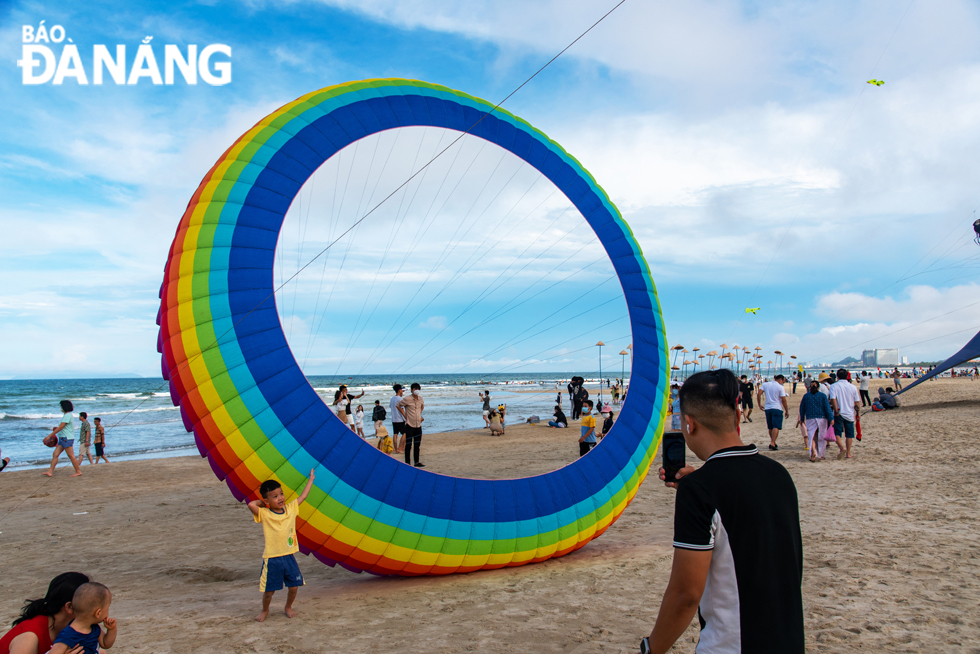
(29, 416)
(49, 416)
(188, 449)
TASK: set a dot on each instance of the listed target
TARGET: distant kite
(753, 311)
(876, 82)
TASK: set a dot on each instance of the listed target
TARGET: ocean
(142, 423)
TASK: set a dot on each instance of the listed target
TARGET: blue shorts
(280, 571)
(774, 418)
(65, 443)
(843, 427)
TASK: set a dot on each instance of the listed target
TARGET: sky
(740, 141)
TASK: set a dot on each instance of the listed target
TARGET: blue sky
(740, 140)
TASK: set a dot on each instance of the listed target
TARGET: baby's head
(91, 603)
(271, 492)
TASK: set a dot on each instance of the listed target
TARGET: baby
(91, 606)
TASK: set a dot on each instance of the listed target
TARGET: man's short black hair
(711, 397)
(397, 387)
(416, 386)
(268, 486)
(590, 403)
(744, 377)
(783, 377)
(377, 401)
(97, 419)
(83, 415)
(842, 374)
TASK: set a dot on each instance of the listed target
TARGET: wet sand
(890, 546)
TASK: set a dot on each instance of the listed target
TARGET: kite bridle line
(217, 340)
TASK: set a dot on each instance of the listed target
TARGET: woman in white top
(340, 403)
(65, 433)
(359, 420)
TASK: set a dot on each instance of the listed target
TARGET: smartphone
(675, 454)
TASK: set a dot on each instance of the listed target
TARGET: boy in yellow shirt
(279, 567)
(587, 441)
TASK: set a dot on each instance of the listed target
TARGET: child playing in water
(278, 521)
(90, 604)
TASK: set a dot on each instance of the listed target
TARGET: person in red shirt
(42, 620)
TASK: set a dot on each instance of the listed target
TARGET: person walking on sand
(412, 407)
(865, 384)
(397, 419)
(485, 396)
(588, 439)
(745, 389)
(378, 416)
(738, 546)
(100, 441)
(817, 416)
(897, 379)
(65, 433)
(84, 439)
(844, 401)
(775, 407)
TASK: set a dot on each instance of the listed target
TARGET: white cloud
(434, 322)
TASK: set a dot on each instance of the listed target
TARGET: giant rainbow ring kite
(255, 416)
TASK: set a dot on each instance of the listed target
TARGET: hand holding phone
(675, 458)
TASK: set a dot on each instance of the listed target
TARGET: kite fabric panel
(970, 351)
(256, 417)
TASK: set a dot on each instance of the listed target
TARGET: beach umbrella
(723, 348)
(779, 360)
(711, 355)
(677, 350)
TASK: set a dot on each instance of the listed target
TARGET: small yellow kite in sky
(753, 311)
(876, 82)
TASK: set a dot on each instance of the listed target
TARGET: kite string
(187, 361)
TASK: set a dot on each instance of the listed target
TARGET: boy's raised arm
(255, 505)
(306, 491)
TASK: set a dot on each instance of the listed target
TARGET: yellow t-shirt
(279, 530)
(588, 421)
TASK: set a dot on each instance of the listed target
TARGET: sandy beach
(890, 545)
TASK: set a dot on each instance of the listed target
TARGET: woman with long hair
(41, 620)
(65, 433)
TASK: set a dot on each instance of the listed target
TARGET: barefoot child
(278, 521)
(84, 439)
(100, 441)
(90, 604)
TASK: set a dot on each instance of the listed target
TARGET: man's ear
(691, 424)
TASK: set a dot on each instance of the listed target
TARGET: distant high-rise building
(905, 361)
(868, 358)
(887, 357)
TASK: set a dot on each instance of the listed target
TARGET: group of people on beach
(62, 439)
